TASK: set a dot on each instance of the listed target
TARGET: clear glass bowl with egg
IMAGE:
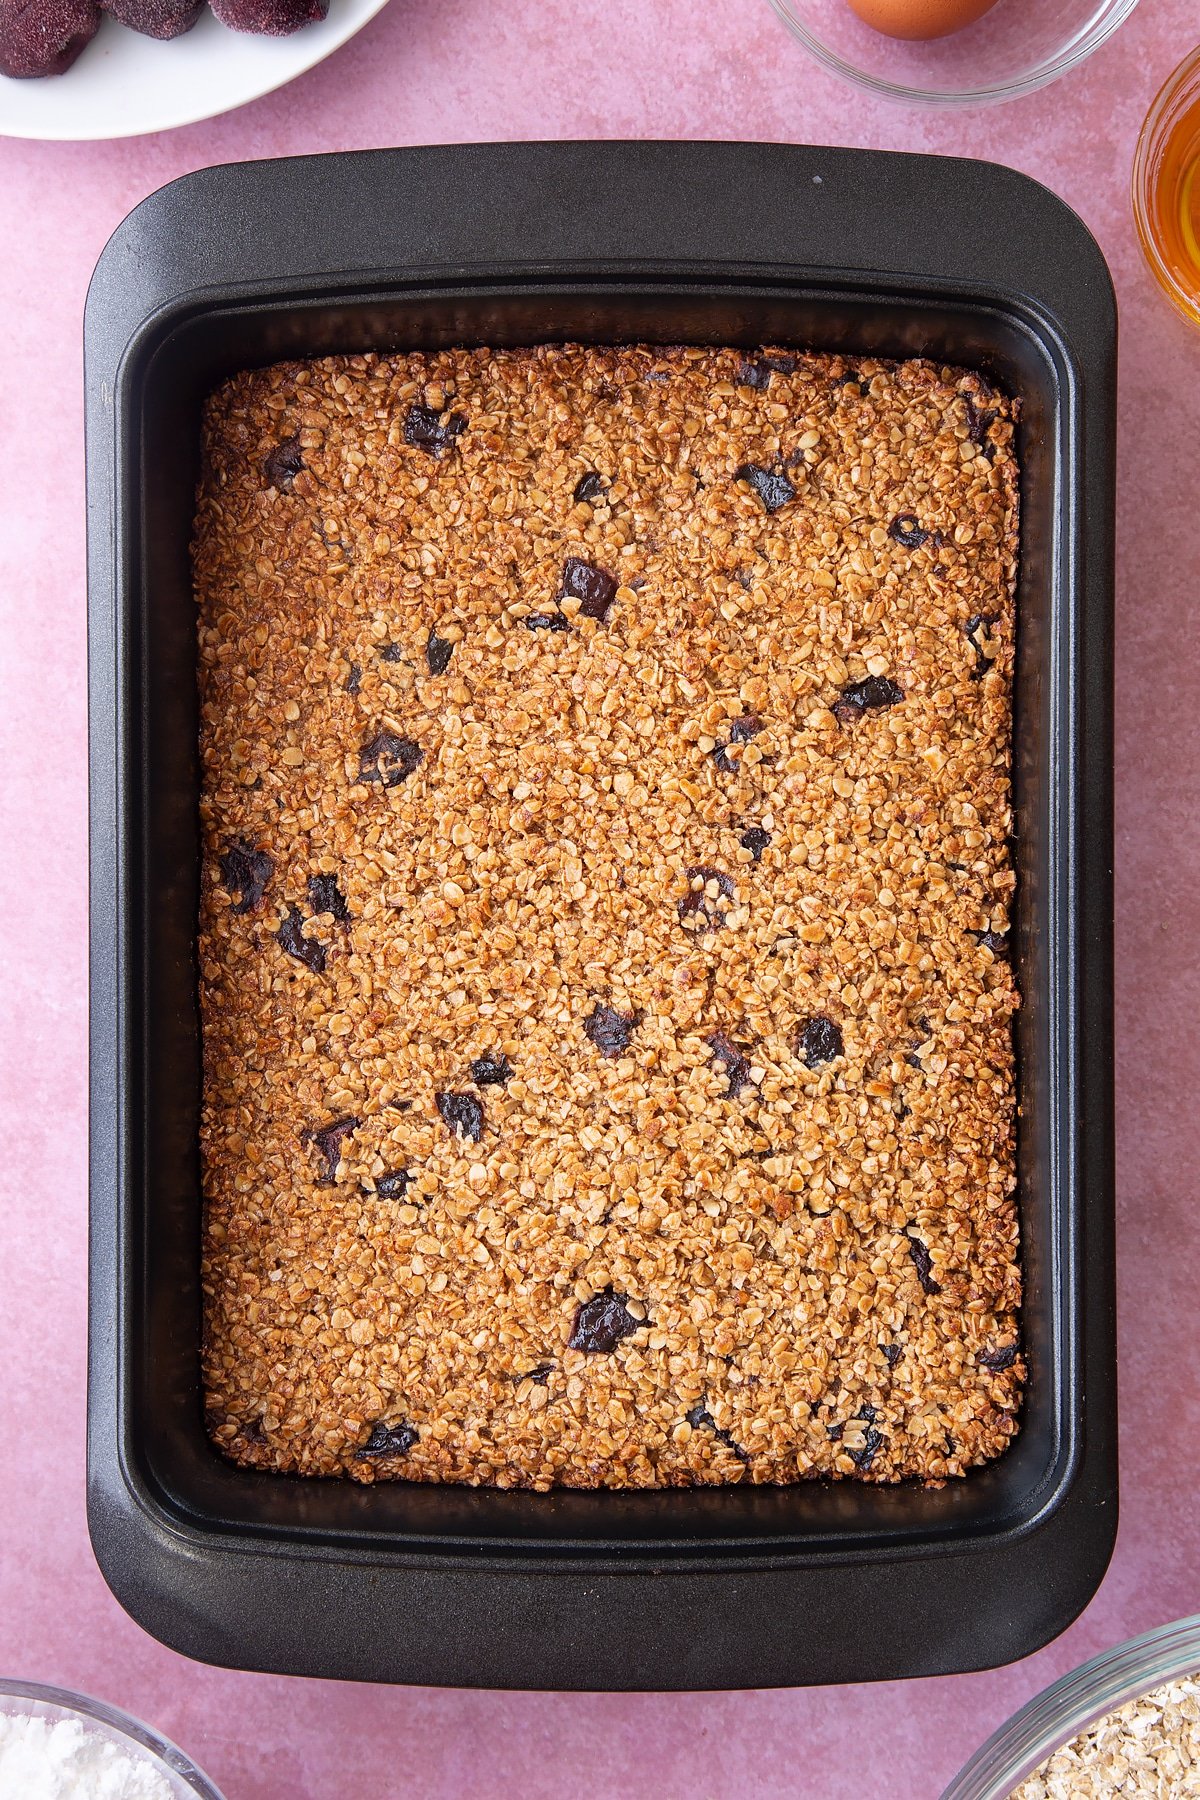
(1068, 1707)
(175, 1776)
(988, 52)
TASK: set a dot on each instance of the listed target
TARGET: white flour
(60, 1759)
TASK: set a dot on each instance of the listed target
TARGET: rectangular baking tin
(724, 244)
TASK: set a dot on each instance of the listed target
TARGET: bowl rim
(1072, 1703)
(1182, 84)
(1096, 32)
(70, 1702)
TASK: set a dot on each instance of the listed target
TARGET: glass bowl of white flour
(60, 1746)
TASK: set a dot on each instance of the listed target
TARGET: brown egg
(919, 18)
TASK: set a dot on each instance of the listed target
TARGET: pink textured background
(464, 69)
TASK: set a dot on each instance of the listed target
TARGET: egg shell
(919, 19)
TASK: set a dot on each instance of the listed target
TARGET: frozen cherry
(157, 19)
(269, 18)
(43, 37)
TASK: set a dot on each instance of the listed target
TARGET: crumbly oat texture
(608, 1068)
(1148, 1749)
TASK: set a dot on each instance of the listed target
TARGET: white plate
(125, 84)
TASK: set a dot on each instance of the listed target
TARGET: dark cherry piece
(820, 1041)
(433, 431)
(393, 1185)
(438, 652)
(541, 1374)
(923, 1264)
(697, 901)
(594, 588)
(869, 695)
(540, 621)
(974, 629)
(388, 759)
(325, 896)
(291, 938)
(771, 485)
(328, 1141)
(892, 1354)
(995, 941)
(601, 1323)
(245, 872)
(907, 529)
(392, 653)
(283, 463)
(44, 37)
(740, 732)
(735, 1062)
(589, 487)
(998, 1360)
(463, 1113)
(390, 1440)
(757, 374)
(755, 840)
(699, 1417)
(979, 421)
(354, 679)
(491, 1071)
(610, 1031)
(745, 728)
(863, 1457)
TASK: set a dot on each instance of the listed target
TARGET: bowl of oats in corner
(1125, 1724)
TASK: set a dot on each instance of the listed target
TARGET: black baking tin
(726, 244)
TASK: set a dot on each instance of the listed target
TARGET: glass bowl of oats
(1126, 1723)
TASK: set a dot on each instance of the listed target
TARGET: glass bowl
(1165, 163)
(29, 1699)
(1062, 1711)
(1018, 46)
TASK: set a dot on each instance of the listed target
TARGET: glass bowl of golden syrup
(1166, 188)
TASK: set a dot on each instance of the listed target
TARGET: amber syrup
(1173, 204)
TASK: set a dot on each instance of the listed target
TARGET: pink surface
(429, 72)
